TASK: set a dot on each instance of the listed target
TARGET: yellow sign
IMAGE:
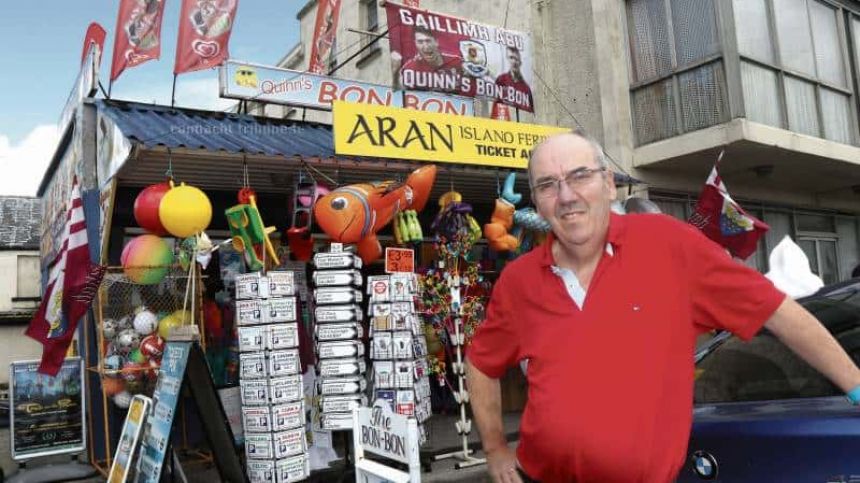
(390, 132)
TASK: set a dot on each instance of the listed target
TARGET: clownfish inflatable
(355, 213)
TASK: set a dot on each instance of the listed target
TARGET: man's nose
(566, 193)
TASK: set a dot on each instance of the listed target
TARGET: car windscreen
(764, 369)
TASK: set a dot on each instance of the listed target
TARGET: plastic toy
(146, 208)
(407, 228)
(455, 224)
(511, 229)
(250, 235)
(146, 259)
(184, 211)
(299, 237)
(355, 213)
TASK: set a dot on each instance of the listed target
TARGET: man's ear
(610, 183)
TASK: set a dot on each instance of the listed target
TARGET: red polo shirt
(610, 385)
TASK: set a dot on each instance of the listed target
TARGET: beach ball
(122, 399)
(113, 362)
(136, 356)
(110, 329)
(146, 259)
(184, 316)
(167, 324)
(123, 323)
(112, 386)
(145, 322)
(146, 208)
(185, 211)
(126, 341)
(152, 346)
(131, 370)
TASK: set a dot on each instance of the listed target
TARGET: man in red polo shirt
(607, 312)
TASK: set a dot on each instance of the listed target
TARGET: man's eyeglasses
(575, 179)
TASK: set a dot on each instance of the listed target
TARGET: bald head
(569, 142)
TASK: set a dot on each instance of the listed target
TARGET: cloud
(24, 164)
(194, 93)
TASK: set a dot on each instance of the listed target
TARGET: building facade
(20, 287)
(666, 85)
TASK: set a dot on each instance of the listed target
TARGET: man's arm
(804, 334)
(486, 400)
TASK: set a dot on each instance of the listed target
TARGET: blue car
(763, 415)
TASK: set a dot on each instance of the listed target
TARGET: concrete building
(666, 85)
(20, 289)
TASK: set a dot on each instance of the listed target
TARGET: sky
(40, 50)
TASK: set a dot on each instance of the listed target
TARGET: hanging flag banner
(722, 220)
(412, 3)
(241, 80)
(389, 132)
(72, 284)
(138, 34)
(436, 52)
(500, 112)
(204, 32)
(325, 34)
(95, 35)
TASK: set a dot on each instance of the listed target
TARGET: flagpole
(173, 92)
(110, 87)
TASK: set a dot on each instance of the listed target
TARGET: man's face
(426, 45)
(578, 213)
(514, 61)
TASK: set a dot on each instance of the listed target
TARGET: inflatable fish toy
(355, 213)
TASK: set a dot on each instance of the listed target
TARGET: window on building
(28, 277)
(677, 75)
(370, 13)
(794, 73)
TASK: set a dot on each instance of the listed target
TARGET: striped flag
(722, 220)
(72, 284)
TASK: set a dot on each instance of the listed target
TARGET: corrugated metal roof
(207, 149)
(20, 218)
(152, 125)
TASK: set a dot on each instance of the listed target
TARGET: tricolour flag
(72, 284)
(724, 221)
(325, 33)
(138, 34)
(204, 33)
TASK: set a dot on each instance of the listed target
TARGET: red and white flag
(325, 33)
(204, 32)
(500, 112)
(724, 221)
(138, 34)
(72, 284)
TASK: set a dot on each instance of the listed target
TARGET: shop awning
(152, 126)
(208, 149)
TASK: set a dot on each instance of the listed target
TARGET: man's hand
(502, 465)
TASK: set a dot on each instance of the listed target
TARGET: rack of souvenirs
(272, 394)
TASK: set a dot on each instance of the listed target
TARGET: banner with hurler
(436, 52)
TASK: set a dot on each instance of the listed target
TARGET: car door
(762, 414)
